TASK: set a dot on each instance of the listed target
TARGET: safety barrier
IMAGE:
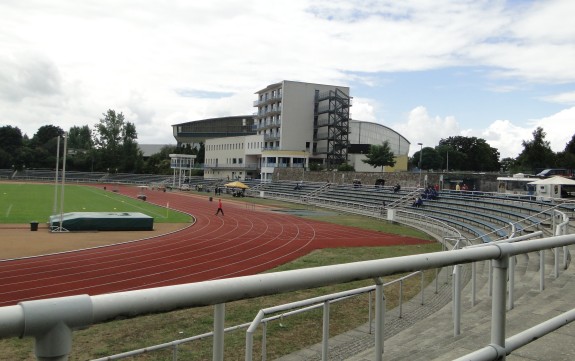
(51, 322)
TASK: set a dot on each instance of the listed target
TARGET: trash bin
(210, 199)
(34, 226)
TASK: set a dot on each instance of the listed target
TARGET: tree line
(109, 146)
(459, 153)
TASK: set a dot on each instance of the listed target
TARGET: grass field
(22, 203)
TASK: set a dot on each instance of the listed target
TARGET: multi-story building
(295, 124)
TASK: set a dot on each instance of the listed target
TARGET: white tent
(551, 187)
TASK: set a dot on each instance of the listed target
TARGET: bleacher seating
(483, 216)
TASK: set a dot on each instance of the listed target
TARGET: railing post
(498, 310)
(400, 298)
(541, 270)
(325, 340)
(51, 324)
(456, 300)
(379, 318)
(473, 283)
(264, 341)
(219, 323)
(511, 275)
(422, 285)
(490, 285)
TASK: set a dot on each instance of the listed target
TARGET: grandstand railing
(52, 321)
(288, 310)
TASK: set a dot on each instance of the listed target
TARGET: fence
(52, 321)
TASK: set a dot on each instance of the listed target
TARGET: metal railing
(52, 321)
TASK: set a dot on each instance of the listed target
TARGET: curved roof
(374, 133)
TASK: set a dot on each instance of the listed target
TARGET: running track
(245, 241)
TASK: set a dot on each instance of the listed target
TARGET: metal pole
(422, 285)
(325, 340)
(379, 318)
(219, 322)
(456, 300)
(420, 162)
(61, 227)
(473, 283)
(55, 208)
(541, 270)
(264, 341)
(498, 302)
(400, 298)
(511, 272)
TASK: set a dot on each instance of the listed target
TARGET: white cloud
(65, 63)
(508, 137)
(420, 127)
(562, 98)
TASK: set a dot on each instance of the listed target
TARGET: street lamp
(420, 157)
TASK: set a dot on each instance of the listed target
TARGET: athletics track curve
(247, 240)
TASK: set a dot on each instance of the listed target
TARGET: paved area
(426, 332)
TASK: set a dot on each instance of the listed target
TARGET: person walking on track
(220, 209)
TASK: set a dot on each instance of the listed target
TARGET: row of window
(212, 161)
(230, 146)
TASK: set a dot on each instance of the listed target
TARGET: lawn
(22, 203)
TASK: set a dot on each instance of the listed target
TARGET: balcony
(269, 125)
(271, 137)
(267, 100)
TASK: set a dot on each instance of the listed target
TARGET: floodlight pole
(61, 227)
(420, 163)
(55, 208)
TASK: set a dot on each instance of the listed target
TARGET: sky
(429, 69)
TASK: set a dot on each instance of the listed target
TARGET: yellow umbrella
(236, 184)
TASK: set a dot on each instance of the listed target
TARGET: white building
(295, 124)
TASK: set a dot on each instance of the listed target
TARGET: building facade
(294, 125)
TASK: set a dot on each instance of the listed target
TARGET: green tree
(430, 159)
(380, 156)
(451, 158)
(11, 143)
(80, 138)
(479, 155)
(115, 139)
(537, 153)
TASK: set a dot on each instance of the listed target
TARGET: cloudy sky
(429, 69)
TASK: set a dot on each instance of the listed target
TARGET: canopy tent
(236, 184)
(552, 187)
(555, 180)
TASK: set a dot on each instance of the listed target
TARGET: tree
(479, 156)
(80, 138)
(380, 156)
(430, 159)
(116, 141)
(537, 153)
(11, 143)
(46, 134)
(451, 158)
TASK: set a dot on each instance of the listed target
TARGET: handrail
(51, 321)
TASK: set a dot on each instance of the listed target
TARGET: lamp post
(420, 158)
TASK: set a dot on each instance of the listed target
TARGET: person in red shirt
(220, 207)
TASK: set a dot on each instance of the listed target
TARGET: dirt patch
(18, 241)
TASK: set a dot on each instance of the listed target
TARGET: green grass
(22, 203)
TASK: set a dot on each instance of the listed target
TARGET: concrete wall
(482, 182)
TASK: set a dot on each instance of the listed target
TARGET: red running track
(246, 241)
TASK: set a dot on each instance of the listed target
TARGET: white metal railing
(52, 321)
